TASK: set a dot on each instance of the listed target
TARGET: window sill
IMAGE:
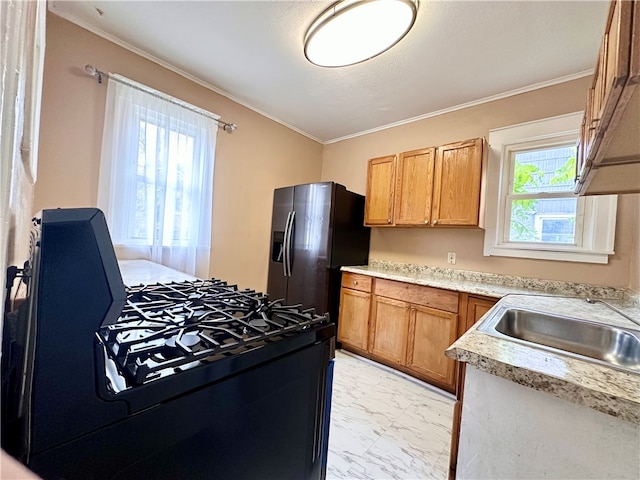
(515, 251)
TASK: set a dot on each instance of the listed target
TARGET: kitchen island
(532, 413)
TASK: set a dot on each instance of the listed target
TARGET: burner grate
(167, 328)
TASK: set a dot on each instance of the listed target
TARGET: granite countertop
(608, 390)
(496, 285)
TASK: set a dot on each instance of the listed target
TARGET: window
(541, 205)
(532, 211)
(156, 176)
(167, 190)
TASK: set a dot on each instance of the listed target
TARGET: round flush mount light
(352, 31)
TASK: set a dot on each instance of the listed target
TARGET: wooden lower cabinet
(408, 326)
(390, 329)
(431, 332)
(476, 308)
(353, 321)
(412, 326)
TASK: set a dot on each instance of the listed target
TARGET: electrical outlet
(451, 258)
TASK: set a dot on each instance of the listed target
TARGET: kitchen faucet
(592, 301)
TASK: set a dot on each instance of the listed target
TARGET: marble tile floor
(385, 425)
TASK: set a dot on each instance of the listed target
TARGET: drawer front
(417, 294)
(355, 281)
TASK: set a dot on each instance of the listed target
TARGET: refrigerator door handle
(285, 246)
(290, 234)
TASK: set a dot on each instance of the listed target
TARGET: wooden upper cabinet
(427, 187)
(613, 62)
(379, 200)
(610, 75)
(414, 187)
(457, 180)
(609, 131)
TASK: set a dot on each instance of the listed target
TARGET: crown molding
(510, 93)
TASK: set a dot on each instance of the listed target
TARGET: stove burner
(187, 339)
(167, 328)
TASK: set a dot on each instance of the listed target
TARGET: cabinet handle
(435, 222)
(355, 282)
(426, 222)
(388, 220)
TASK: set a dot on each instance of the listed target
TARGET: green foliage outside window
(526, 176)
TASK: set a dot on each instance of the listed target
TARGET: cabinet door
(610, 75)
(390, 328)
(414, 187)
(457, 178)
(380, 191)
(431, 332)
(588, 131)
(476, 308)
(614, 62)
(353, 321)
(580, 152)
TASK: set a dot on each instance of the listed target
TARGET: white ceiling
(459, 52)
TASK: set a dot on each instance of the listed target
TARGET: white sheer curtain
(156, 176)
(22, 37)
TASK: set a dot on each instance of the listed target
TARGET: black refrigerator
(316, 228)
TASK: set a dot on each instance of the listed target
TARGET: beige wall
(346, 163)
(260, 156)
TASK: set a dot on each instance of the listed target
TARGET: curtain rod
(94, 72)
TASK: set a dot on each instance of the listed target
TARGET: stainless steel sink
(609, 345)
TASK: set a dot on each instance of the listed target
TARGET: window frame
(595, 215)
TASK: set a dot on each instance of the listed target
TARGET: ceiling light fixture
(352, 31)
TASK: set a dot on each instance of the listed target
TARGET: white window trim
(595, 241)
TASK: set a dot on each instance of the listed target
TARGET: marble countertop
(608, 390)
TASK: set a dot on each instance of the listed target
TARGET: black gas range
(191, 379)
